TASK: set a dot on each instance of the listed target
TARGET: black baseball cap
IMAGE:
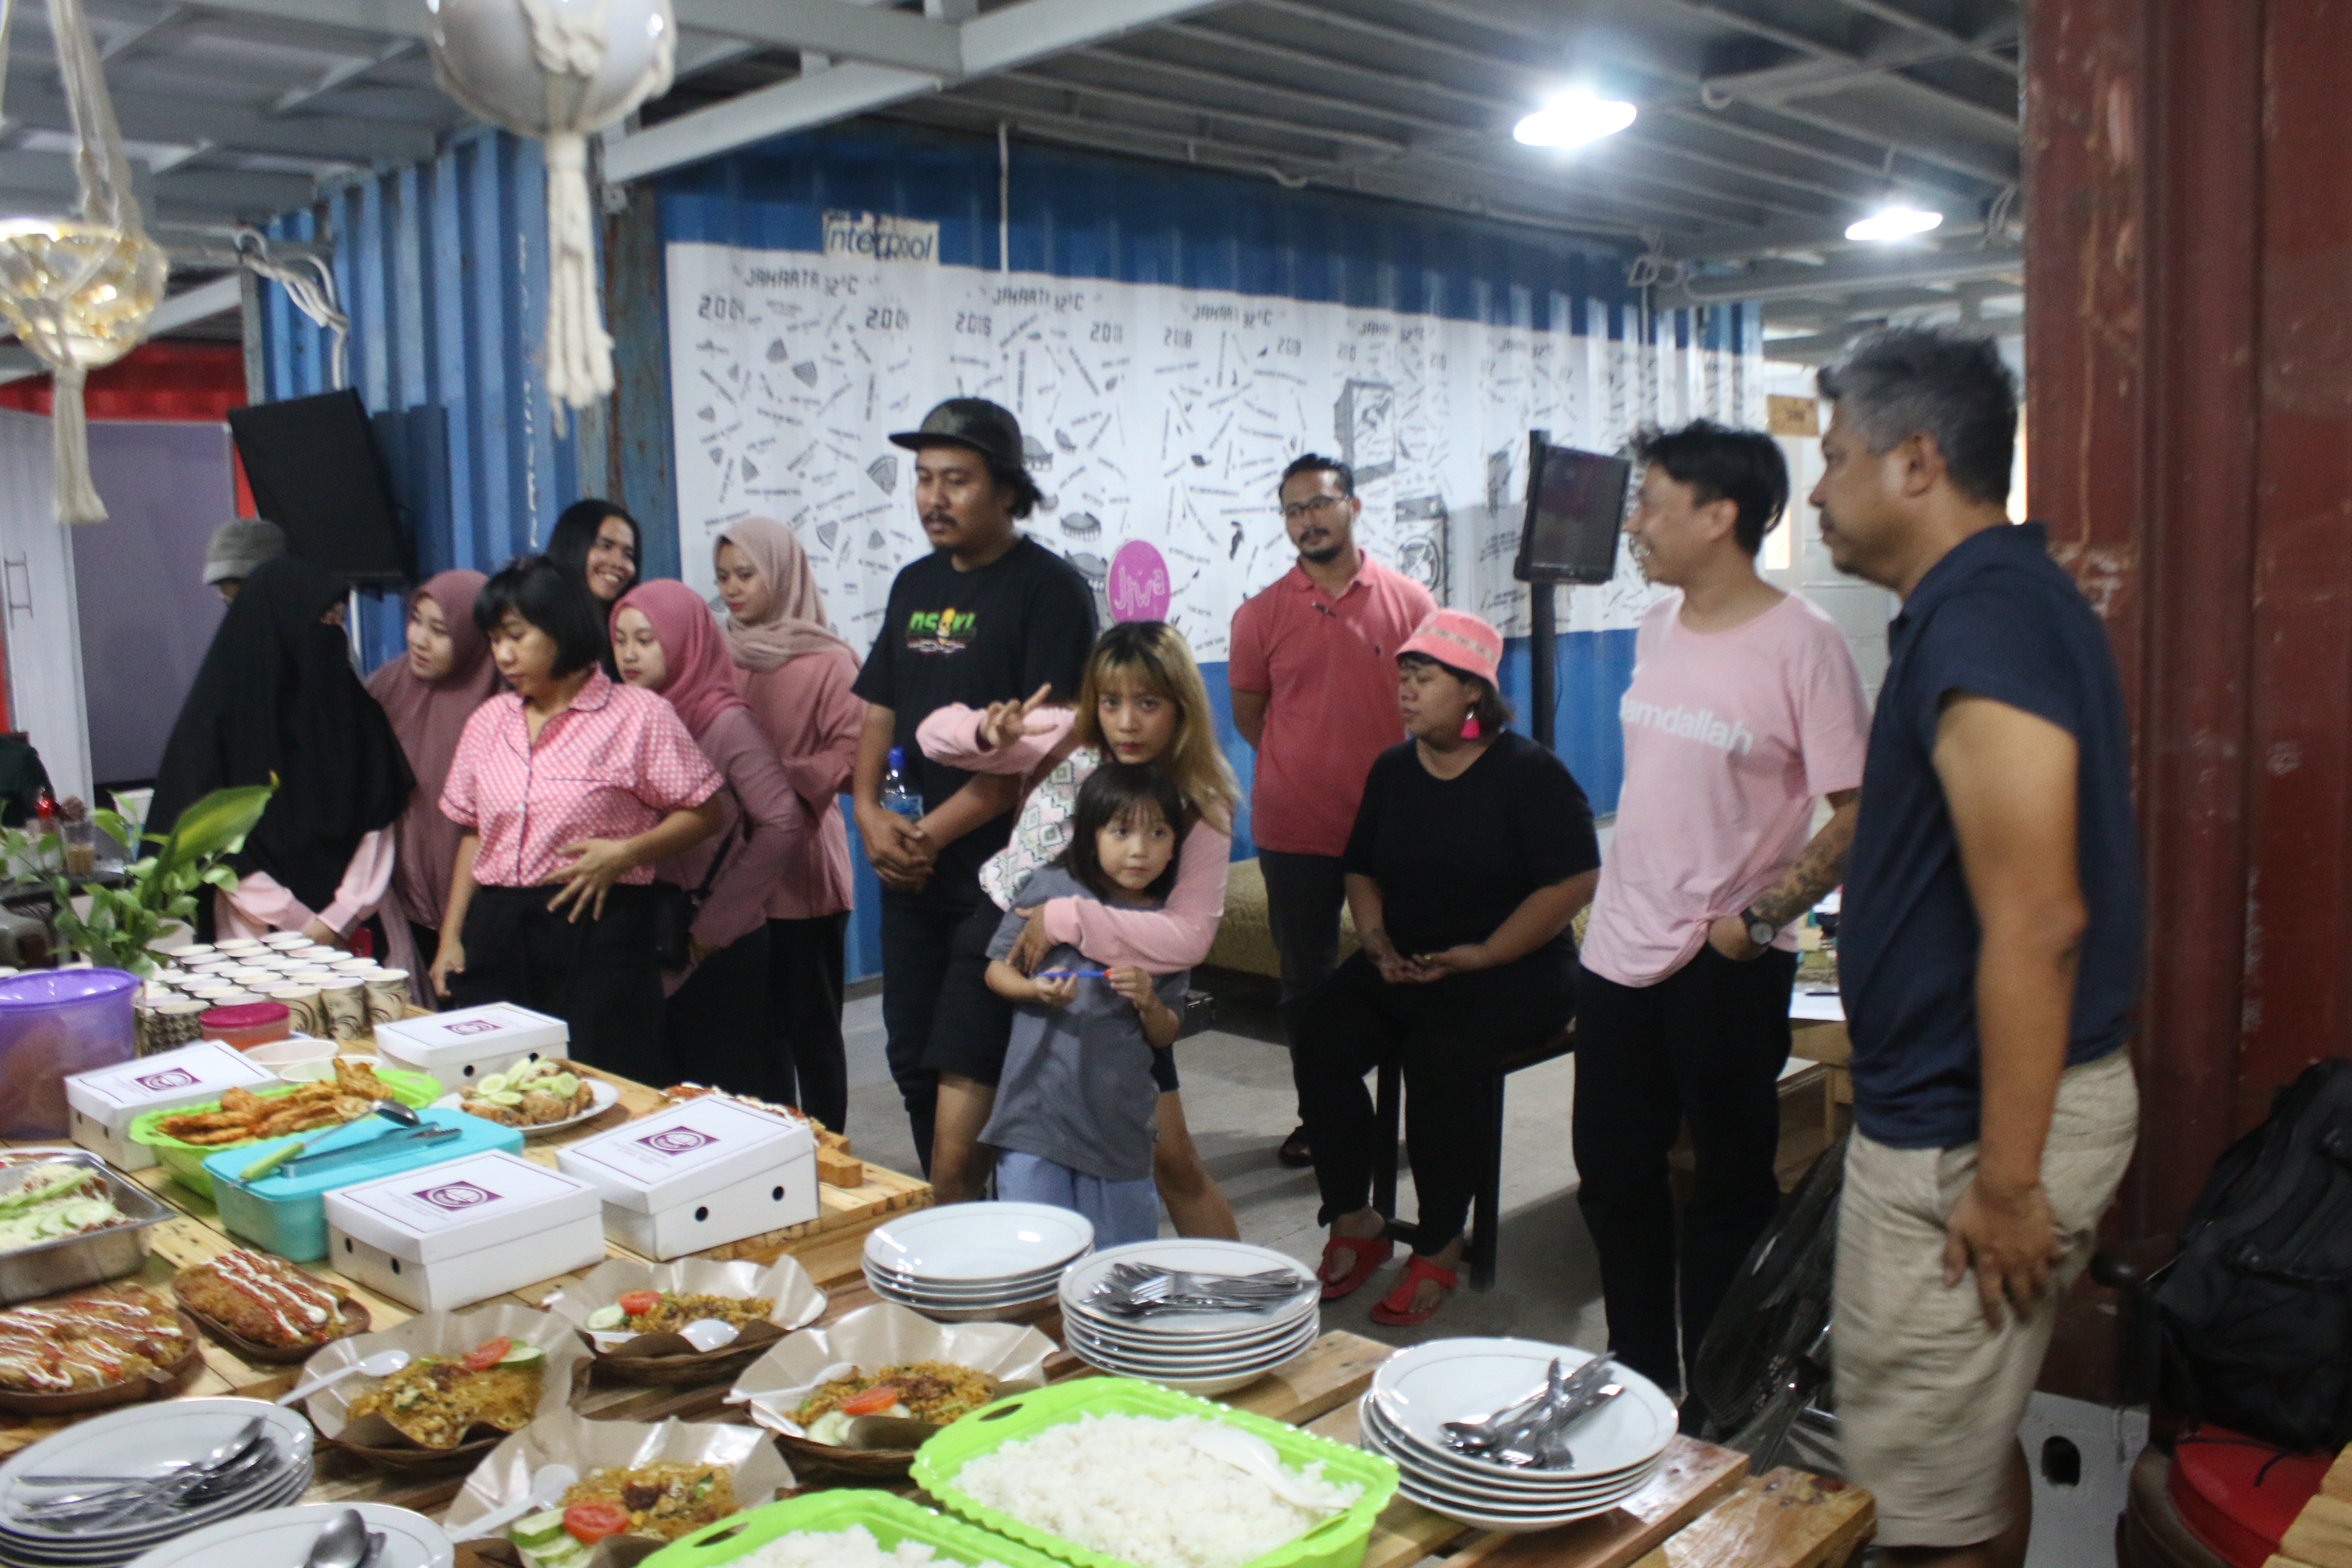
(988, 428)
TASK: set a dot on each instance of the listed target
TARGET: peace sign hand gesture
(1007, 723)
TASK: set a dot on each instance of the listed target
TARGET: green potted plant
(121, 920)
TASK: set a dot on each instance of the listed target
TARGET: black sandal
(1295, 1152)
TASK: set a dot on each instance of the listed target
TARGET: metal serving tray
(77, 1260)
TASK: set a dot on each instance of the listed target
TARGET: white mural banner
(1157, 421)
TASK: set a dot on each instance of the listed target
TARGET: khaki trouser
(1928, 1398)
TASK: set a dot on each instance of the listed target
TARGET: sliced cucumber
(563, 1086)
(492, 1084)
(538, 1531)
(608, 1318)
(522, 1355)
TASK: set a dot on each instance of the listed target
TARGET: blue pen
(1073, 974)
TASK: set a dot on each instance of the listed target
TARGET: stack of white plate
(968, 1262)
(142, 1441)
(283, 1537)
(1617, 1448)
(1204, 1353)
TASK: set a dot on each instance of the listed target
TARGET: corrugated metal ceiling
(1766, 125)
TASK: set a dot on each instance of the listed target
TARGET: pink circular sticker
(1139, 583)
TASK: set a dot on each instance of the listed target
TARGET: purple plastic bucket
(52, 1026)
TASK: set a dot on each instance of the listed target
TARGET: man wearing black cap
(989, 616)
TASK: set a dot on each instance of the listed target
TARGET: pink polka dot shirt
(610, 766)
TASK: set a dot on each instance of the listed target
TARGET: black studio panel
(317, 473)
(1576, 510)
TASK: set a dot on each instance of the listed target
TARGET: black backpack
(2255, 1315)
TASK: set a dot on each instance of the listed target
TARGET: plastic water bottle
(898, 791)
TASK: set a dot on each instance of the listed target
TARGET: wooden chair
(1486, 1211)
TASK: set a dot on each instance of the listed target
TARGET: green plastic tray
(889, 1519)
(186, 1161)
(1337, 1542)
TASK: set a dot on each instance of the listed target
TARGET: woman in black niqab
(277, 696)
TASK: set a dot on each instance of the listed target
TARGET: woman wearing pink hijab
(718, 1027)
(796, 675)
(428, 693)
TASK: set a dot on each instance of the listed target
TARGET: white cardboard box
(104, 1102)
(450, 1235)
(700, 1174)
(471, 1043)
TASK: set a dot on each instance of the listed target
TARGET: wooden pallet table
(1702, 1511)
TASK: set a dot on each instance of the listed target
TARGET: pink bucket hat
(1460, 641)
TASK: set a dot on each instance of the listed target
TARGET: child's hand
(1054, 993)
(1132, 984)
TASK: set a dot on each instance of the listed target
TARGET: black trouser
(1304, 895)
(806, 967)
(1447, 1037)
(1704, 1045)
(918, 933)
(598, 975)
(719, 1029)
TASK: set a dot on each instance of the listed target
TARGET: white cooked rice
(852, 1548)
(1134, 1487)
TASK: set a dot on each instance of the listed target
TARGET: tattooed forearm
(1821, 867)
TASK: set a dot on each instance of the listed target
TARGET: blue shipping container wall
(1082, 215)
(442, 267)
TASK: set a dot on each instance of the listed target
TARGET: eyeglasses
(1299, 508)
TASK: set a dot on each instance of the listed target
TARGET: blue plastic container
(53, 1024)
(287, 1215)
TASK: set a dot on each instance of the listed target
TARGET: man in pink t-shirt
(1314, 676)
(1744, 708)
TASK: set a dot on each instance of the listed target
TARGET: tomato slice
(589, 1522)
(873, 1401)
(487, 1354)
(638, 1302)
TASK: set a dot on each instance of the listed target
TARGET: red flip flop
(1370, 1253)
(1395, 1309)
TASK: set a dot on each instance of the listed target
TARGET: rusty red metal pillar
(2144, 209)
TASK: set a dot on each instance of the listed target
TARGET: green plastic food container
(186, 1161)
(888, 1518)
(1337, 1542)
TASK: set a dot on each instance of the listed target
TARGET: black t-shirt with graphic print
(1025, 620)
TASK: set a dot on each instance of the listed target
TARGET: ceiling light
(1574, 118)
(1897, 222)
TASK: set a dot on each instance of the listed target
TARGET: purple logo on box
(678, 1140)
(170, 1077)
(473, 1027)
(458, 1195)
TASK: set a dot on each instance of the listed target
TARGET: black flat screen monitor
(316, 473)
(1575, 507)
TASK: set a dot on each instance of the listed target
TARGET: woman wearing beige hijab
(796, 675)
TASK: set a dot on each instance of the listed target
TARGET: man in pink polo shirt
(1313, 676)
(1744, 710)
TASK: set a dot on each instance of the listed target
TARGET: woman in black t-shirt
(1471, 852)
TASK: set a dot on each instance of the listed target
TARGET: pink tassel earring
(1470, 728)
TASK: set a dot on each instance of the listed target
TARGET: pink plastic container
(53, 1024)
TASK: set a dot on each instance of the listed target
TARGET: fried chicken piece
(242, 1103)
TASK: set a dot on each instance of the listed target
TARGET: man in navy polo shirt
(1990, 950)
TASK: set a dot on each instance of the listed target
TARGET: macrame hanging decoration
(80, 291)
(561, 70)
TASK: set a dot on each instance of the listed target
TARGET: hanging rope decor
(80, 291)
(561, 70)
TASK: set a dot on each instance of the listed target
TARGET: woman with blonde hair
(1142, 703)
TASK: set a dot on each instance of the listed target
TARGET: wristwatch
(1760, 932)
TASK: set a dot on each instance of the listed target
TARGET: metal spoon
(120, 1487)
(383, 1363)
(547, 1488)
(342, 1544)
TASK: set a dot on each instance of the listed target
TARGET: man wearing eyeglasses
(1313, 676)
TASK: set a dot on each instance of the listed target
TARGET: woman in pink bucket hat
(1471, 852)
